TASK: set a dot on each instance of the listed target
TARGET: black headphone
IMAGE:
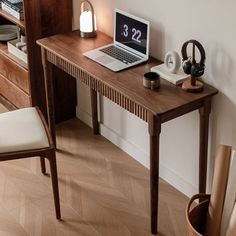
(195, 69)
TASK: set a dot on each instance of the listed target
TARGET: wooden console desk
(125, 89)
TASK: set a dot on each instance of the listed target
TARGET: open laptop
(130, 43)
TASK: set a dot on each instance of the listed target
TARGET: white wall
(172, 23)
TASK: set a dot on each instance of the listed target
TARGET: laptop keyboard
(120, 54)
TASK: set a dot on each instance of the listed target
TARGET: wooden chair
(24, 133)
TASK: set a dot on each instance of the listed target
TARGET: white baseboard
(128, 147)
(176, 181)
(139, 155)
(84, 116)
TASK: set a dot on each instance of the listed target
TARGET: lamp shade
(87, 21)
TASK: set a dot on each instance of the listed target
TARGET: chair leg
(53, 167)
(43, 166)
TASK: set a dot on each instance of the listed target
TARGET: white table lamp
(87, 20)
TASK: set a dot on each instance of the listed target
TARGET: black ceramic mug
(151, 80)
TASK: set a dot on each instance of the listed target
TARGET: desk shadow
(64, 152)
(223, 127)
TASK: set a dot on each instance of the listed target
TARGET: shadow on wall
(224, 121)
(223, 125)
(157, 41)
(220, 65)
(220, 71)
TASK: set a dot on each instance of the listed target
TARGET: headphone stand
(192, 85)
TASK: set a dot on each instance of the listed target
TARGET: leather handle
(201, 196)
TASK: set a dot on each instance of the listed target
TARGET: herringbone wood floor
(103, 191)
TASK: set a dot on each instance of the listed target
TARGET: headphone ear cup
(197, 70)
(187, 65)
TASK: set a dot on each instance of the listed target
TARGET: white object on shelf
(12, 12)
(176, 78)
(15, 1)
(11, 45)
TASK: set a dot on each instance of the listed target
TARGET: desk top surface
(168, 97)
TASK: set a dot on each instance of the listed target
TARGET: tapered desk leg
(204, 129)
(48, 80)
(154, 127)
(94, 106)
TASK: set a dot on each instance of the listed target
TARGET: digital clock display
(131, 32)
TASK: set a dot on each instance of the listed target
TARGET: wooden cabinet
(21, 84)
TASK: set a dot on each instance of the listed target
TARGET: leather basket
(196, 216)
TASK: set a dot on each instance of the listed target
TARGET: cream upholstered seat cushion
(22, 130)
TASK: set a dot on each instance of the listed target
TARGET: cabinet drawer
(14, 72)
(14, 94)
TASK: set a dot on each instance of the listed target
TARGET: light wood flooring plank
(103, 192)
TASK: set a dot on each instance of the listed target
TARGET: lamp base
(187, 86)
(88, 34)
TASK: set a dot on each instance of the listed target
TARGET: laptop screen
(131, 31)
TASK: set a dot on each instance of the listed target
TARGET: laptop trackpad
(104, 59)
